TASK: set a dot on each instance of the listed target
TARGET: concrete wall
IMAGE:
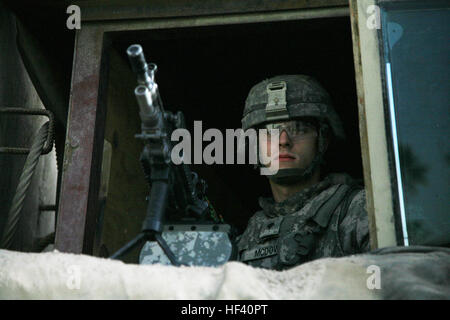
(16, 90)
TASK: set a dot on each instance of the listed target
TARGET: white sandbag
(55, 275)
(396, 273)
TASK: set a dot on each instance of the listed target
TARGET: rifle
(175, 189)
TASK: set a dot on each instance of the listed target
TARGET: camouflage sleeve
(354, 228)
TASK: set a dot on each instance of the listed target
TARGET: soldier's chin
(283, 164)
(288, 164)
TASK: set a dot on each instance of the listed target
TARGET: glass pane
(417, 51)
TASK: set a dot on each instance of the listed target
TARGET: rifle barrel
(145, 75)
(148, 111)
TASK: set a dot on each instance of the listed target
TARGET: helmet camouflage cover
(287, 97)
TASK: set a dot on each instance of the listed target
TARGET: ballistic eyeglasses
(296, 129)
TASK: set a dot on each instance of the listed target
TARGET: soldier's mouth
(286, 158)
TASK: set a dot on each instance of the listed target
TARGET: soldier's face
(297, 145)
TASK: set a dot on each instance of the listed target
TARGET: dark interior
(206, 72)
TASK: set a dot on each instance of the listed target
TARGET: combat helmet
(288, 97)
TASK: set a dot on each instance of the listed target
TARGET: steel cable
(31, 161)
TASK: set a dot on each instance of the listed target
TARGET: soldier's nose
(284, 139)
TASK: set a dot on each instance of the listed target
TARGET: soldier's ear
(326, 142)
(326, 135)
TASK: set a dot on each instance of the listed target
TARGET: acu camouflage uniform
(326, 220)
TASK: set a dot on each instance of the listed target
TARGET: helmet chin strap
(291, 176)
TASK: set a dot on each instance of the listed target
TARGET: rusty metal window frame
(80, 186)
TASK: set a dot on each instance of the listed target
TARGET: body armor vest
(286, 239)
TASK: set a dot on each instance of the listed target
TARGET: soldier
(309, 216)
